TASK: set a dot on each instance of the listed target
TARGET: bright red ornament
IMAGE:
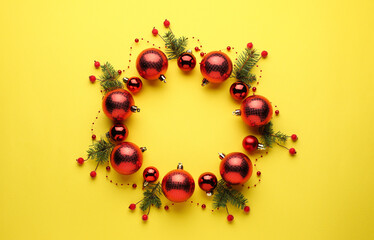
(208, 182)
(230, 218)
(80, 161)
(93, 174)
(264, 54)
(145, 217)
(250, 143)
(133, 84)
(152, 64)
(235, 168)
(255, 111)
(186, 61)
(294, 137)
(166, 23)
(250, 45)
(215, 67)
(97, 64)
(154, 32)
(118, 105)
(92, 78)
(203, 206)
(118, 132)
(150, 174)
(292, 151)
(239, 90)
(132, 206)
(107, 168)
(126, 158)
(178, 185)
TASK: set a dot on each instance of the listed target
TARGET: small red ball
(134, 185)
(250, 143)
(230, 218)
(239, 90)
(197, 49)
(203, 206)
(93, 174)
(134, 84)
(97, 64)
(166, 23)
(166, 207)
(93, 136)
(80, 161)
(107, 168)
(264, 54)
(250, 45)
(150, 174)
(154, 32)
(118, 132)
(228, 48)
(92, 78)
(132, 206)
(246, 209)
(136, 40)
(202, 54)
(208, 182)
(258, 173)
(292, 151)
(294, 137)
(254, 89)
(145, 217)
(276, 112)
(119, 72)
(186, 62)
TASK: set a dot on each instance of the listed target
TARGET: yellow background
(318, 73)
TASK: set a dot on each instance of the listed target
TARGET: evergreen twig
(268, 137)
(226, 194)
(109, 79)
(151, 197)
(174, 46)
(100, 151)
(244, 64)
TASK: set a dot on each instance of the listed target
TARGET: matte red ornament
(152, 64)
(239, 90)
(92, 78)
(235, 168)
(250, 143)
(118, 132)
(264, 54)
(133, 84)
(292, 151)
(294, 137)
(178, 185)
(80, 160)
(255, 111)
(208, 182)
(186, 62)
(154, 32)
(127, 158)
(250, 45)
(93, 174)
(118, 105)
(166, 23)
(150, 174)
(97, 64)
(215, 67)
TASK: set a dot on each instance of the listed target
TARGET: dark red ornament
(276, 112)
(178, 185)
(254, 89)
(152, 64)
(118, 132)
(235, 168)
(93, 136)
(186, 61)
(250, 143)
(133, 84)
(150, 174)
(208, 182)
(215, 67)
(118, 105)
(127, 158)
(239, 90)
(255, 110)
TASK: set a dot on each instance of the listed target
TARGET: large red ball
(126, 158)
(236, 168)
(256, 111)
(151, 64)
(117, 104)
(178, 185)
(216, 67)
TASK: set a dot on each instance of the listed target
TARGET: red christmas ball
(208, 182)
(154, 32)
(133, 84)
(186, 62)
(235, 168)
(250, 45)
(215, 67)
(92, 78)
(145, 217)
(178, 185)
(97, 64)
(118, 132)
(126, 158)
(250, 143)
(80, 161)
(93, 174)
(239, 90)
(230, 218)
(292, 151)
(132, 206)
(152, 64)
(294, 137)
(118, 105)
(264, 54)
(256, 111)
(166, 23)
(150, 174)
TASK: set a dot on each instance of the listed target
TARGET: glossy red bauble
(178, 185)
(235, 168)
(118, 105)
(118, 132)
(152, 64)
(126, 158)
(239, 90)
(186, 62)
(208, 182)
(250, 143)
(150, 174)
(215, 67)
(133, 84)
(255, 111)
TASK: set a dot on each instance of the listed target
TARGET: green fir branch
(244, 64)
(226, 194)
(268, 137)
(151, 196)
(100, 151)
(174, 46)
(109, 79)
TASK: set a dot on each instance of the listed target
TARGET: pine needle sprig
(174, 46)
(151, 196)
(244, 64)
(268, 137)
(109, 79)
(226, 194)
(100, 151)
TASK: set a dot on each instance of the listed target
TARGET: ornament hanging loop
(221, 155)
(237, 112)
(260, 146)
(135, 109)
(125, 80)
(143, 149)
(162, 78)
(180, 166)
(205, 82)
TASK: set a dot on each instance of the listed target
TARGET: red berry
(250, 45)
(294, 137)
(264, 54)
(154, 32)
(92, 78)
(136, 40)
(166, 23)
(107, 168)
(292, 151)
(230, 218)
(93, 136)
(93, 174)
(145, 217)
(258, 173)
(80, 161)
(203, 206)
(119, 72)
(228, 48)
(202, 54)
(254, 89)
(197, 49)
(134, 185)
(276, 112)
(132, 206)
(97, 64)
(166, 207)
(246, 209)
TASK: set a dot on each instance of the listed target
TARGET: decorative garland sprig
(244, 64)
(100, 150)
(109, 79)
(174, 46)
(269, 136)
(224, 194)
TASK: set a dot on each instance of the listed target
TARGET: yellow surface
(318, 73)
